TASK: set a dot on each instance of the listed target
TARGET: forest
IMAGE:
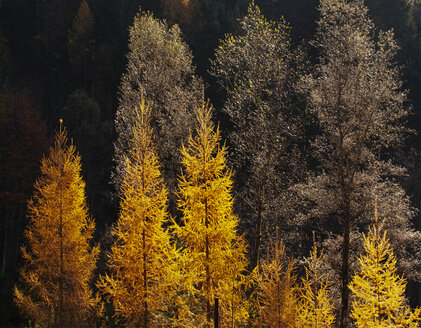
(210, 163)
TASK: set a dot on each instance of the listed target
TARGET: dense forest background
(48, 70)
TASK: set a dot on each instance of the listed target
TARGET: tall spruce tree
(258, 71)
(208, 232)
(356, 95)
(141, 259)
(378, 292)
(59, 261)
(160, 66)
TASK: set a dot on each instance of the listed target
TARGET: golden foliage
(59, 259)
(378, 292)
(215, 253)
(276, 291)
(315, 310)
(142, 259)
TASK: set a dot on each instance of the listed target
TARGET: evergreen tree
(378, 292)
(141, 260)
(315, 309)
(216, 253)
(160, 66)
(185, 13)
(59, 259)
(258, 71)
(93, 137)
(355, 93)
(276, 290)
(80, 41)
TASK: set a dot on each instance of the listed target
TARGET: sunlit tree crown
(141, 260)
(209, 227)
(59, 260)
(276, 290)
(378, 291)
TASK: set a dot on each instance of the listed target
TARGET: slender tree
(378, 293)
(276, 290)
(59, 259)
(141, 260)
(80, 41)
(315, 309)
(208, 232)
(355, 94)
(160, 66)
(258, 70)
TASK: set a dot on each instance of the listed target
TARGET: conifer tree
(80, 41)
(378, 292)
(208, 232)
(276, 290)
(315, 309)
(186, 13)
(141, 258)
(59, 258)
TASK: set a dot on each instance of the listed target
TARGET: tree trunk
(61, 287)
(216, 313)
(208, 306)
(256, 250)
(145, 283)
(345, 271)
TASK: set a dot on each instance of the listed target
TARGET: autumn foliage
(315, 308)
(215, 251)
(59, 261)
(140, 260)
(378, 291)
(311, 145)
(276, 289)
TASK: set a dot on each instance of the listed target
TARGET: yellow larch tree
(378, 299)
(276, 290)
(208, 231)
(315, 309)
(142, 259)
(59, 261)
